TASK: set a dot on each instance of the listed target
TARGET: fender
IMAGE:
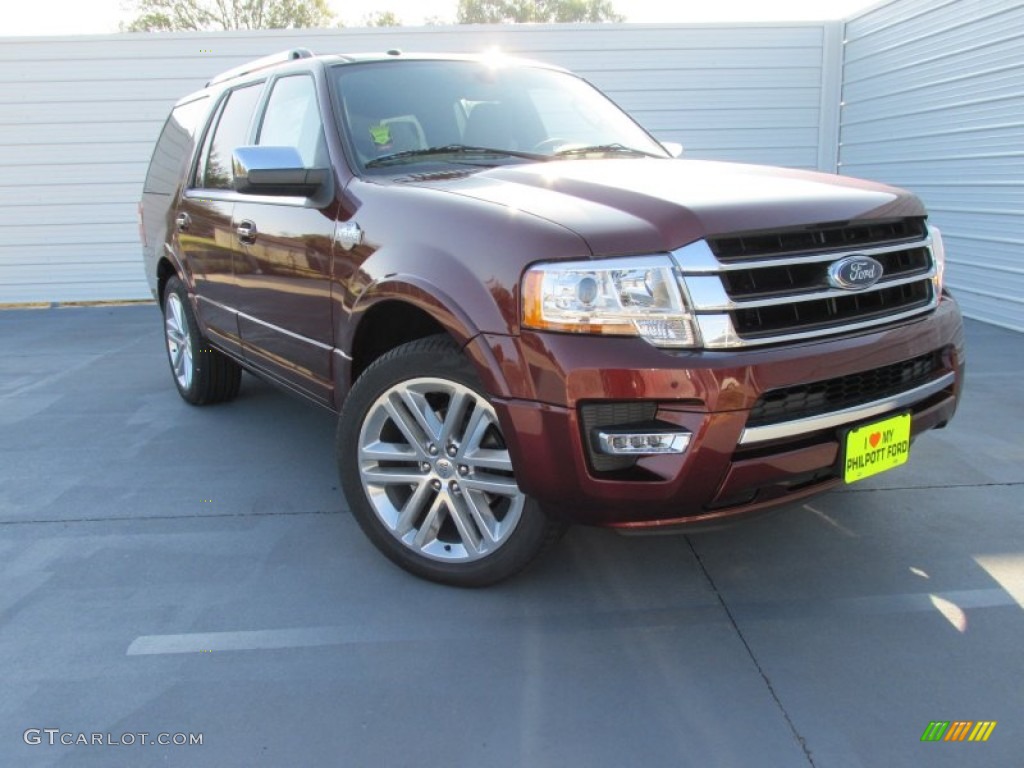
(454, 316)
(178, 265)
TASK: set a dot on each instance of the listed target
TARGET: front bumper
(542, 381)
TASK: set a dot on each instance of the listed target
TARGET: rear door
(283, 259)
(205, 235)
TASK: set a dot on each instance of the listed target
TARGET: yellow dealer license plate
(876, 447)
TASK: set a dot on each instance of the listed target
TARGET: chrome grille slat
(730, 305)
(700, 265)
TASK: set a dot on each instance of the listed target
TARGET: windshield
(430, 113)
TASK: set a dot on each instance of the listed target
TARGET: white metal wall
(79, 117)
(933, 100)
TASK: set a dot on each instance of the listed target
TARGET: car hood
(622, 206)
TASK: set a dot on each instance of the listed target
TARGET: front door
(282, 264)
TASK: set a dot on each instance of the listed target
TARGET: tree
(202, 15)
(383, 19)
(536, 11)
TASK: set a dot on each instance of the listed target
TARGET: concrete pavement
(172, 570)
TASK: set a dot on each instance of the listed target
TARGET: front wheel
(427, 472)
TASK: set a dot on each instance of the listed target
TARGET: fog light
(642, 443)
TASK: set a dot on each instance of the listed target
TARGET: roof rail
(263, 63)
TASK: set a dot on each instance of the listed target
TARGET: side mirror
(275, 171)
(674, 148)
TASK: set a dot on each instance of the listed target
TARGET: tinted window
(174, 147)
(292, 119)
(232, 131)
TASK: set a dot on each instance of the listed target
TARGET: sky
(77, 17)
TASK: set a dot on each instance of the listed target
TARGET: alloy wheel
(436, 470)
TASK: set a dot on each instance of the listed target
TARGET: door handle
(184, 221)
(246, 232)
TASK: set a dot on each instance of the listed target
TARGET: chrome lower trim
(271, 326)
(847, 415)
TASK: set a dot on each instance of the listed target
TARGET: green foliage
(383, 19)
(536, 11)
(201, 15)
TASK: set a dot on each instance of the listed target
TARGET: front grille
(772, 287)
(816, 398)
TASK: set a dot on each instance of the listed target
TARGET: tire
(203, 375)
(427, 475)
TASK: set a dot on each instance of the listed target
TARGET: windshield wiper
(450, 149)
(604, 149)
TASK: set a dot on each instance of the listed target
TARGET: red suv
(527, 311)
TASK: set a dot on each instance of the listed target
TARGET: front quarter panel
(459, 260)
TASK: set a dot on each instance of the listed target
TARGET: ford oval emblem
(854, 273)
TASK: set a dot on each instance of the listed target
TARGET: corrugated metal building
(932, 99)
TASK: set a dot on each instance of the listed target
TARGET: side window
(292, 119)
(174, 147)
(232, 131)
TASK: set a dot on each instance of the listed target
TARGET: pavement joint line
(204, 516)
(750, 652)
(616, 620)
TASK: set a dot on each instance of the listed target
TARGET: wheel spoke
(179, 321)
(463, 519)
(503, 486)
(408, 427)
(420, 410)
(488, 458)
(413, 509)
(187, 365)
(431, 525)
(380, 451)
(392, 476)
(485, 520)
(456, 411)
(479, 421)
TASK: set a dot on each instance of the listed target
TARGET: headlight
(637, 296)
(939, 254)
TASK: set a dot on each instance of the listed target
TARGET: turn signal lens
(939, 254)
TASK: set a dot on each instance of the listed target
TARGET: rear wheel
(202, 374)
(427, 473)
